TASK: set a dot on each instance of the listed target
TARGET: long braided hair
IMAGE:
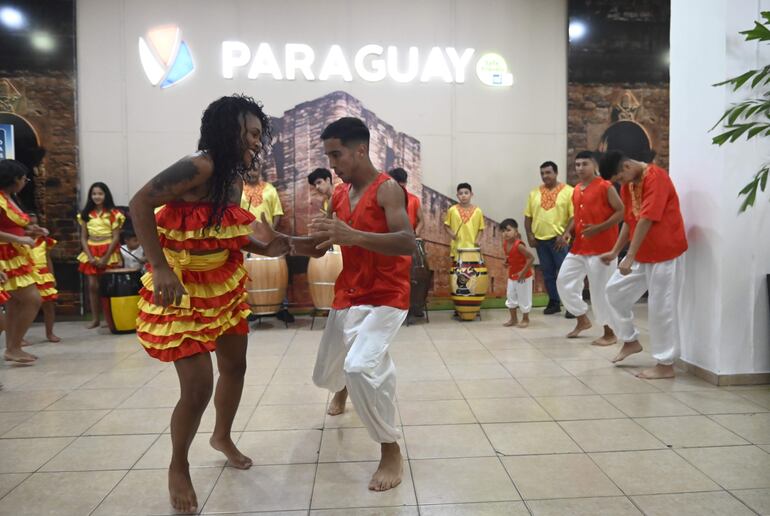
(221, 138)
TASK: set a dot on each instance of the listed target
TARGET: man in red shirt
(654, 261)
(413, 203)
(368, 219)
(597, 212)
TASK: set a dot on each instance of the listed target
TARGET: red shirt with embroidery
(368, 278)
(412, 208)
(516, 260)
(655, 199)
(590, 206)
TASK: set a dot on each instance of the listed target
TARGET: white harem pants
(354, 354)
(519, 295)
(573, 271)
(664, 282)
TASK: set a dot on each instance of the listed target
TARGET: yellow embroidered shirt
(261, 198)
(549, 223)
(466, 224)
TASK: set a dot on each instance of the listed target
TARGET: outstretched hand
(273, 242)
(331, 231)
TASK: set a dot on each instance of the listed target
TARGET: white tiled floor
(495, 420)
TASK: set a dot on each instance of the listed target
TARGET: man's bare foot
(53, 338)
(628, 349)
(390, 470)
(20, 357)
(25, 343)
(657, 372)
(181, 491)
(510, 322)
(94, 324)
(608, 339)
(583, 323)
(233, 454)
(337, 406)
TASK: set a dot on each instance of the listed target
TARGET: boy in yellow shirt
(464, 222)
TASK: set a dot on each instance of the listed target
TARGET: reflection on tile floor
(495, 421)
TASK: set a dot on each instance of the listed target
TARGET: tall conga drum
(469, 282)
(268, 280)
(119, 293)
(321, 274)
(420, 279)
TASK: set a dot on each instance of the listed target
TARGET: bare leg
(49, 316)
(628, 349)
(22, 309)
(608, 339)
(337, 406)
(390, 470)
(657, 372)
(93, 299)
(524, 320)
(231, 361)
(513, 321)
(583, 323)
(195, 381)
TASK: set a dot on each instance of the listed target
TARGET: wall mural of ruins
(298, 149)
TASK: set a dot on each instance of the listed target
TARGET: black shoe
(285, 316)
(252, 317)
(552, 309)
(568, 315)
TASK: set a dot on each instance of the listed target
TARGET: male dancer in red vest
(368, 219)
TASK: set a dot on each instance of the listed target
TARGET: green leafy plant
(750, 118)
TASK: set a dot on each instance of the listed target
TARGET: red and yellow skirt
(215, 305)
(98, 249)
(46, 285)
(16, 261)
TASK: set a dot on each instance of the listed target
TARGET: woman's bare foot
(657, 372)
(337, 406)
(181, 491)
(583, 323)
(20, 357)
(94, 324)
(53, 338)
(390, 470)
(628, 349)
(25, 343)
(233, 454)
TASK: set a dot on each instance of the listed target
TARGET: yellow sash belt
(185, 261)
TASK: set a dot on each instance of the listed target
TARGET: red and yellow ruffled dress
(100, 226)
(45, 280)
(15, 259)
(215, 282)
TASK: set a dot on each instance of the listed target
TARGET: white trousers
(354, 354)
(664, 282)
(569, 283)
(519, 295)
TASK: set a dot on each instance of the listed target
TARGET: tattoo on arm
(181, 171)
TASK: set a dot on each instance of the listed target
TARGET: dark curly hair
(222, 139)
(90, 206)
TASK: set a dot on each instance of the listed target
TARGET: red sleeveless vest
(368, 278)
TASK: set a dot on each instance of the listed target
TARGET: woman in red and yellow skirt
(194, 298)
(46, 283)
(16, 232)
(100, 224)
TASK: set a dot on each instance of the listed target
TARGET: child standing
(46, 283)
(519, 260)
(464, 222)
(100, 223)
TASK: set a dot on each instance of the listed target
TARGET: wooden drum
(469, 282)
(321, 274)
(268, 280)
(421, 278)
